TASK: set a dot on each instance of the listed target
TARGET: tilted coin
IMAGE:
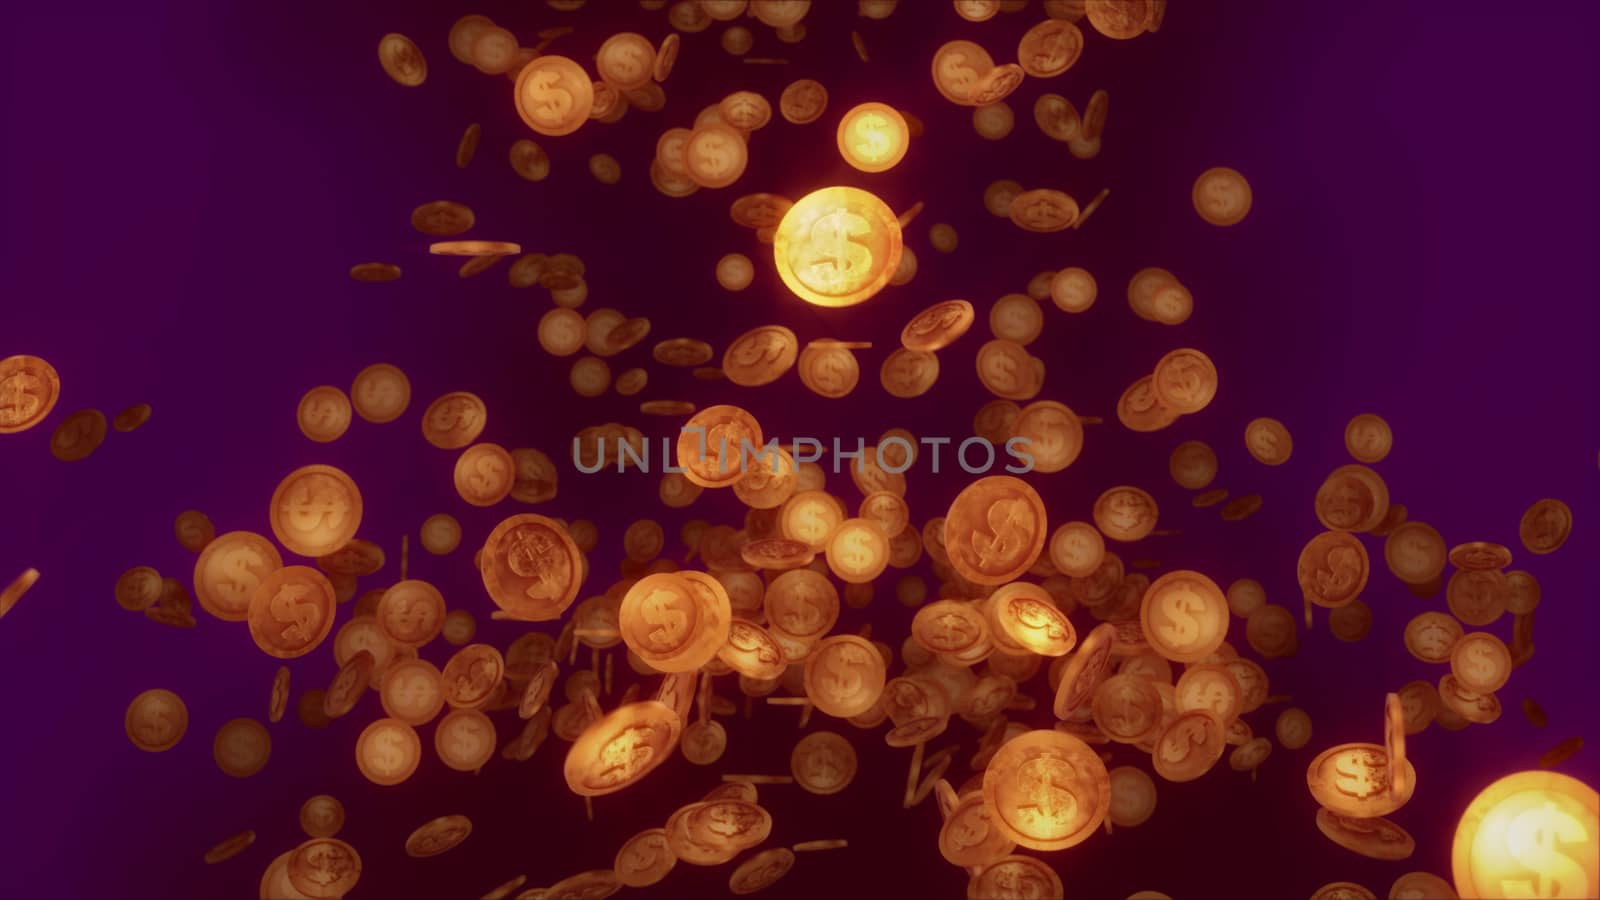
(1353, 780)
(291, 611)
(1545, 526)
(644, 859)
(29, 389)
(324, 868)
(1189, 746)
(1047, 790)
(531, 567)
(1333, 569)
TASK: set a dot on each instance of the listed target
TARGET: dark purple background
(186, 186)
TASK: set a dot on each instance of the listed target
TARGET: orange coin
(553, 95)
(380, 393)
(324, 414)
(291, 611)
(156, 720)
(995, 529)
(1185, 616)
(388, 752)
(230, 569)
(315, 510)
(29, 389)
(242, 747)
(78, 435)
(1268, 441)
(837, 246)
(531, 567)
(873, 137)
(454, 420)
(1125, 513)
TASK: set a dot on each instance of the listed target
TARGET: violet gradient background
(186, 185)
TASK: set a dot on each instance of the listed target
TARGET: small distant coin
(1376, 838)
(1043, 210)
(230, 848)
(1421, 886)
(1193, 465)
(1125, 513)
(761, 871)
(131, 418)
(474, 248)
(467, 147)
(644, 859)
(324, 414)
(1141, 409)
(324, 868)
(938, 326)
(78, 435)
(803, 101)
(454, 420)
(1293, 728)
(1050, 48)
(1545, 526)
(438, 836)
(1222, 197)
(380, 393)
(1268, 441)
(242, 747)
(442, 218)
(156, 720)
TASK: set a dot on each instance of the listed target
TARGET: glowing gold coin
(857, 551)
(1141, 409)
(837, 246)
(1120, 19)
(1053, 434)
(484, 474)
(1376, 838)
(553, 95)
(829, 370)
(1185, 616)
(1084, 671)
(1211, 687)
(714, 832)
(1398, 769)
(1127, 708)
(1545, 526)
(471, 676)
(1529, 834)
(1057, 117)
(1414, 552)
(844, 675)
(1189, 745)
(644, 859)
(873, 137)
(715, 155)
(752, 651)
(958, 68)
(315, 510)
(324, 868)
(1047, 790)
(1353, 780)
(1125, 513)
(380, 393)
(156, 720)
(711, 445)
(626, 60)
(1222, 197)
(1333, 569)
(1185, 381)
(464, 740)
(29, 389)
(291, 611)
(823, 763)
(531, 567)
(412, 691)
(1480, 662)
(241, 747)
(1077, 549)
(411, 613)
(1468, 706)
(664, 621)
(995, 529)
(229, 571)
(622, 748)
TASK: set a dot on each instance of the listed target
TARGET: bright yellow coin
(837, 246)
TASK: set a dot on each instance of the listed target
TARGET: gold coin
(1560, 753)
(137, 589)
(1527, 834)
(375, 272)
(553, 95)
(621, 748)
(438, 836)
(683, 352)
(1185, 616)
(995, 529)
(531, 567)
(562, 332)
(761, 871)
(837, 246)
(1193, 465)
(1185, 381)
(315, 510)
(823, 763)
(1127, 708)
(1293, 728)
(1053, 435)
(969, 836)
(324, 414)
(1545, 526)
(78, 435)
(1333, 569)
(1125, 513)
(230, 848)
(1524, 593)
(442, 218)
(464, 740)
(380, 393)
(760, 356)
(484, 474)
(1047, 790)
(735, 272)
(1015, 878)
(1077, 549)
(1480, 556)
(241, 747)
(530, 162)
(156, 720)
(1133, 797)
(1043, 210)
(194, 530)
(1480, 662)
(714, 832)
(672, 626)
(411, 613)
(715, 155)
(1189, 746)
(278, 700)
(1477, 597)
(703, 743)
(938, 326)
(1421, 886)
(412, 691)
(1368, 438)
(666, 55)
(949, 626)
(1120, 19)
(131, 418)
(1343, 890)
(1084, 671)
(958, 67)
(504, 890)
(324, 868)
(348, 685)
(857, 551)
(711, 445)
(1211, 687)
(29, 389)
(844, 675)
(1027, 615)
(645, 858)
(996, 84)
(440, 534)
(402, 60)
(536, 477)
(1222, 197)
(626, 60)
(1248, 756)
(1414, 552)
(1351, 622)
(474, 248)
(467, 147)
(1353, 780)
(1050, 48)
(770, 480)
(1006, 369)
(1268, 441)
(1470, 706)
(1352, 498)
(803, 101)
(1057, 118)
(1375, 838)
(229, 572)
(291, 611)
(752, 651)
(1141, 409)
(873, 137)
(471, 676)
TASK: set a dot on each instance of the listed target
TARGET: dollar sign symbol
(873, 140)
(667, 624)
(843, 679)
(1182, 627)
(835, 255)
(293, 607)
(1048, 800)
(308, 507)
(550, 102)
(957, 75)
(388, 756)
(1481, 660)
(1188, 736)
(833, 369)
(1007, 534)
(18, 398)
(237, 566)
(857, 555)
(970, 830)
(1356, 778)
(487, 474)
(1533, 839)
(1267, 444)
